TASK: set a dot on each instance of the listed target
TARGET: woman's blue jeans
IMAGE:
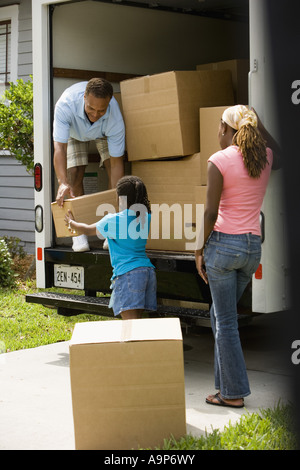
(230, 262)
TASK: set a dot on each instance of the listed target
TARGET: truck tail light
(39, 224)
(38, 177)
(39, 254)
(258, 274)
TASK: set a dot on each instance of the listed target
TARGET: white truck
(74, 40)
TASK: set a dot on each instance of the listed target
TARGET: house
(16, 185)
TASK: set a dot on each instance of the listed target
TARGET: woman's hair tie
(239, 116)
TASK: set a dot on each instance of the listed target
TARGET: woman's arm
(213, 196)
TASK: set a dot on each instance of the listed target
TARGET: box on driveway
(127, 381)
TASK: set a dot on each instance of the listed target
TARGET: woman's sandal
(221, 402)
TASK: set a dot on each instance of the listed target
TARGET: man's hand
(63, 190)
(60, 166)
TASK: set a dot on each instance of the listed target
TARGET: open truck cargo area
(176, 283)
(174, 67)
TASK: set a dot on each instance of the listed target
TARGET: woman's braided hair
(253, 148)
(134, 189)
(244, 122)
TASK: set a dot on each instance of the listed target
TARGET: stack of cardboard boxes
(239, 73)
(171, 122)
(168, 147)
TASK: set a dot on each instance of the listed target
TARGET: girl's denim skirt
(133, 290)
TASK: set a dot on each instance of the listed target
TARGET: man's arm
(60, 166)
(117, 170)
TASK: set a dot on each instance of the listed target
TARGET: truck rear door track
(68, 304)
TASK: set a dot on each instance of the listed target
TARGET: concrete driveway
(35, 398)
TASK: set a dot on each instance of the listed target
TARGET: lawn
(271, 429)
(25, 325)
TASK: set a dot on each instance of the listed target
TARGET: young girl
(134, 278)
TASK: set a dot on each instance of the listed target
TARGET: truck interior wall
(114, 38)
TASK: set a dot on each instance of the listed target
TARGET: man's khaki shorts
(77, 152)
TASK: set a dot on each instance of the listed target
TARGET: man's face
(94, 107)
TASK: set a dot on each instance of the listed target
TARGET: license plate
(71, 277)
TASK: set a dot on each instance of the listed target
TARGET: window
(9, 26)
(5, 51)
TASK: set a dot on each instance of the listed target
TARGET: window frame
(7, 33)
(11, 13)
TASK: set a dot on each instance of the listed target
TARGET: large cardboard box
(84, 209)
(177, 223)
(177, 201)
(239, 69)
(127, 382)
(210, 119)
(161, 112)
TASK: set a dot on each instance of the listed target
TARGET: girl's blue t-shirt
(127, 236)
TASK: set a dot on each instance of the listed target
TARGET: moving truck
(129, 43)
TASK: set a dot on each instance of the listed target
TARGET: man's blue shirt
(70, 120)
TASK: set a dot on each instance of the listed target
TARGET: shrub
(14, 246)
(7, 277)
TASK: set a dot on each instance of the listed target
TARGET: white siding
(16, 185)
(16, 202)
(25, 40)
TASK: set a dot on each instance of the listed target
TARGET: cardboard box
(183, 171)
(161, 112)
(84, 209)
(118, 97)
(239, 69)
(209, 125)
(200, 194)
(127, 382)
(174, 191)
(176, 223)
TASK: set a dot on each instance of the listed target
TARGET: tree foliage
(16, 122)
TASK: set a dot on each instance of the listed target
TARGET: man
(87, 111)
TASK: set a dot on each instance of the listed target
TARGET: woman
(237, 180)
(134, 278)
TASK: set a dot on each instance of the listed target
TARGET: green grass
(26, 325)
(271, 429)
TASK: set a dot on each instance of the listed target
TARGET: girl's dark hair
(253, 148)
(134, 189)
